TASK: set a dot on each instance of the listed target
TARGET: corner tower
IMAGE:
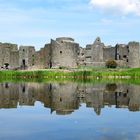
(134, 54)
(62, 52)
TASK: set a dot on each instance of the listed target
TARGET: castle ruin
(65, 52)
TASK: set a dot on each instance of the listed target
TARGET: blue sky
(35, 22)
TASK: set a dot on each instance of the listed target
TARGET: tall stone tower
(26, 56)
(62, 52)
(9, 56)
(134, 54)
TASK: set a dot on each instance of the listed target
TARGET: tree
(111, 64)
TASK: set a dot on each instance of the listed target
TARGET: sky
(35, 22)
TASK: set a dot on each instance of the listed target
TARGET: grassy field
(77, 74)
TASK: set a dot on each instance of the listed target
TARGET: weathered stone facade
(134, 54)
(97, 54)
(64, 52)
(26, 56)
(9, 55)
(94, 54)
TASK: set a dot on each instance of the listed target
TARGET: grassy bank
(81, 74)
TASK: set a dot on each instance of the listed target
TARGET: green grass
(76, 74)
(81, 76)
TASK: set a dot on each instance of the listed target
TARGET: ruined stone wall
(121, 55)
(1, 55)
(23, 56)
(134, 55)
(43, 57)
(39, 59)
(26, 56)
(122, 63)
(94, 54)
(48, 56)
(88, 53)
(97, 51)
(64, 54)
(14, 60)
(109, 53)
(31, 56)
(122, 52)
(64, 39)
(81, 57)
(6, 55)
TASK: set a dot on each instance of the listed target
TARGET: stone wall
(121, 55)
(97, 51)
(14, 60)
(94, 53)
(8, 55)
(81, 57)
(39, 59)
(64, 52)
(26, 56)
(48, 56)
(109, 53)
(134, 55)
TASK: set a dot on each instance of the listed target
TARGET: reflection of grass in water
(86, 81)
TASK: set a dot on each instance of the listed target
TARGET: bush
(62, 67)
(111, 64)
(111, 87)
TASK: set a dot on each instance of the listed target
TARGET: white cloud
(124, 7)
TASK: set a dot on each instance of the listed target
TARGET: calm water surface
(69, 111)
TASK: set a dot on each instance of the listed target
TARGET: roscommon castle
(65, 52)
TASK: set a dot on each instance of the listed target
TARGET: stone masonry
(64, 52)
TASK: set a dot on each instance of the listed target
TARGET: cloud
(123, 7)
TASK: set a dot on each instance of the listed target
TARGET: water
(69, 111)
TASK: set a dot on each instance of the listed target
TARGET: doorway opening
(23, 63)
(6, 65)
(23, 89)
(50, 64)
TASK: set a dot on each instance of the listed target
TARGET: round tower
(63, 53)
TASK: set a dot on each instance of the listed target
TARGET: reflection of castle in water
(64, 98)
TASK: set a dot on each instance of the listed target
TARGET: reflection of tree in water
(111, 87)
(134, 107)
